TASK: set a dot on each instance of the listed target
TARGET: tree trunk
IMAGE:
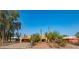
(10, 39)
(2, 41)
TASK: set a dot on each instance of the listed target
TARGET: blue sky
(63, 21)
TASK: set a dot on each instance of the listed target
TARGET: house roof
(43, 37)
(26, 37)
(14, 37)
(70, 37)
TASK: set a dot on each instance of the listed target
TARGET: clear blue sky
(63, 21)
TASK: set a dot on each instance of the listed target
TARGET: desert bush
(34, 38)
(76, 44)
(62, 43)
(53, 45)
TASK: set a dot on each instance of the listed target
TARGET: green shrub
(62, 43)
(35, 38)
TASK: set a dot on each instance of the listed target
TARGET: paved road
(17, 46)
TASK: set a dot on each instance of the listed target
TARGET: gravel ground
(25, 45)
(41, 45)
(17, 46)
(70, 46)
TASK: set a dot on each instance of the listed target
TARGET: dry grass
(53, 45)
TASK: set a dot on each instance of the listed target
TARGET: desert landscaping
(11, 37)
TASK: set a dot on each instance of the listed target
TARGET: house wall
(73, 40)
(25, 40)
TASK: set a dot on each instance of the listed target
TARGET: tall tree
(17, 27)
(77, 34)
(3, 22)
(8, 19)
